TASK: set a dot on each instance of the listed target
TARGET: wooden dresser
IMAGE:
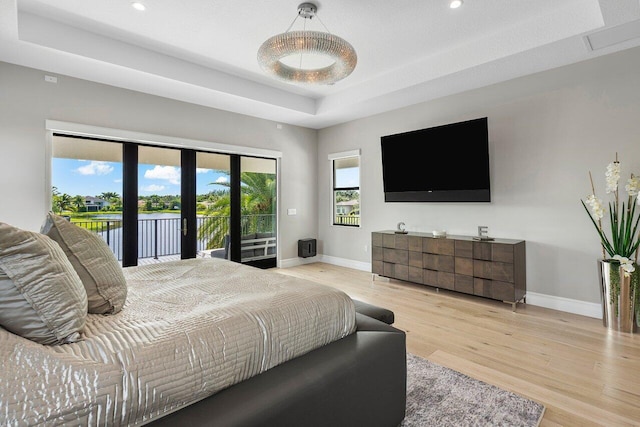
(493, 269)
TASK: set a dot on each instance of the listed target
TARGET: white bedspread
(188, 330)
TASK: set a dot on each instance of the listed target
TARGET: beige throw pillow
(41, 295)
(91, 257)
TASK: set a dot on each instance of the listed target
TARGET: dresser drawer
(415, 259)
(438, 246)
(494, 289)
(438, 262)
(430, 277)
(464, 284)
(463, 249)
(396, 271)
(395, 241)
(464, 266)
(395, 256)
(377, 267)
(415, 274)
(446, 280)
(502, 253)
(376, 253)
(502, 271)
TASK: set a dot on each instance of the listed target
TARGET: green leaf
(603, 238)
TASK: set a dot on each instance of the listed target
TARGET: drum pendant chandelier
(301, 44)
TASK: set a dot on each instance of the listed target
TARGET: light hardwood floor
(583, 374)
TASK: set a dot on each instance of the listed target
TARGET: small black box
(306, 248)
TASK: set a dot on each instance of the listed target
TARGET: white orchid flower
(633, 186)
(596, 207)
(626, 264)
(612, 176)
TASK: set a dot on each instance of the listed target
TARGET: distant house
(345, 208)
(94, 204)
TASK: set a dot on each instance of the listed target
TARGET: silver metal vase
(618, 311)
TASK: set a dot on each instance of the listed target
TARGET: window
(346, 188)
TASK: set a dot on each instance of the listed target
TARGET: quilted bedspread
(189, 329)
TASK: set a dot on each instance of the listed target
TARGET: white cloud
(95, 168)
(222, 180)
(153, 188)
(201, 170)
(117, 181)
(168, 173)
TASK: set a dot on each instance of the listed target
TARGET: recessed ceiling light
(455, 4)
(138, 6)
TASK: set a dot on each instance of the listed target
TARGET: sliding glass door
(159, 203)
(213, 207)
(258, 207)
(154, 204)
(87, 186)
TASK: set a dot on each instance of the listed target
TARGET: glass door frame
(132, 139)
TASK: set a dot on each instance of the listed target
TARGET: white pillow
(41, 295)
(91, 257)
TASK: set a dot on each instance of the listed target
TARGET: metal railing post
(108, 241)
(155, 238)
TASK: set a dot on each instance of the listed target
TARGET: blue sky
(90, 178)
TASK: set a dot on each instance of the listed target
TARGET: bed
(207, 341)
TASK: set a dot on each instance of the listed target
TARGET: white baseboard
(349, 263)
(583, 308)
(293, 262)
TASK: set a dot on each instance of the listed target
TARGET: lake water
(159, 234)
(159, 215)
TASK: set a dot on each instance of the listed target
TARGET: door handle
(184, 226)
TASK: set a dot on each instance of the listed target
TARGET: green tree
(258, 193)
(108, 195)
(78, 203)
(61, 202)
(114, 199)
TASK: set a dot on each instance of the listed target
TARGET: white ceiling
(409, 51)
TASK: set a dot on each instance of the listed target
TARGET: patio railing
(161, 237)
(347, 219)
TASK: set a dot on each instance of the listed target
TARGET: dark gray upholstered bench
(378, 313)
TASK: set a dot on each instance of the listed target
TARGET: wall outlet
(366, 248)
(50, 79)
(291, 211)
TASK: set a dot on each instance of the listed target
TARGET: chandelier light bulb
(138, 6)
(455, 4)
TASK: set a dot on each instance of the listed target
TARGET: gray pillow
(91, 257)
(41, 295)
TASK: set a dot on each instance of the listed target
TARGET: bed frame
(359, 380)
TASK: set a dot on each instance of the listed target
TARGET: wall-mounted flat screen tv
(448, 163)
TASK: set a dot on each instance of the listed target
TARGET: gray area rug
(439, 396)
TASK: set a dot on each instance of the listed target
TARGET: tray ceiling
(204, 52)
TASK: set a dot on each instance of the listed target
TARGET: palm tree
(115, 202)
(61, 202)
(79, 203)
(108, 195)
(258, 192)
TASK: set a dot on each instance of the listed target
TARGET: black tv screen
(448, 163)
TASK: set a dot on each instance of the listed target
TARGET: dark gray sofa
(359, 380)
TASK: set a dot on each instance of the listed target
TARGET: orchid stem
(593, 191)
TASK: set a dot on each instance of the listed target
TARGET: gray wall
(546, 132)
(26, 101)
